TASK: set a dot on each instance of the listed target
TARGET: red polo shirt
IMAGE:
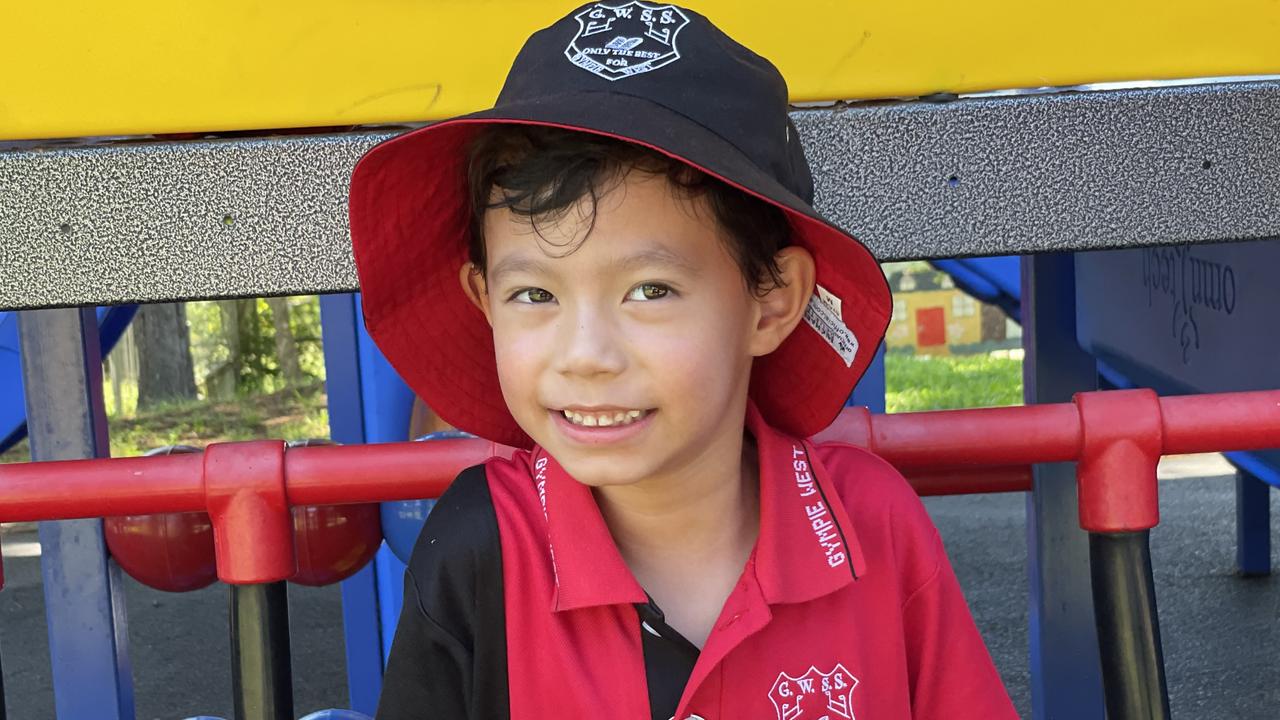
(847, 606)
(519, 605)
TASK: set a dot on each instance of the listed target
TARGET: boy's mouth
(610, 417)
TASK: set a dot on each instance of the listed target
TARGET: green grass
(296, 414)
(924, 382)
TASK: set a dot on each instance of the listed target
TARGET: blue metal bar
(339, 320)
(1253, 525)
(1257, 472)
(368, 402)
(84, 608)
(870, 390)
(388, 406)
(1066, 680)
(388, 402)
(390, 578)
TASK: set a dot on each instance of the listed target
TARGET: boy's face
(647, 329)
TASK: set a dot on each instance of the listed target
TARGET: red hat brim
(410, 222)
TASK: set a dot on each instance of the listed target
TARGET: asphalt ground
(1219, 630)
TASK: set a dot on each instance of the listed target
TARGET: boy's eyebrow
(517, 263)
(655, 255)
(659, 256)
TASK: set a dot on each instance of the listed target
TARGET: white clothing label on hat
(830, 299)
(619, 41)
(827, 323)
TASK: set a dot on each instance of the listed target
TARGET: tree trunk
(164, 354)
(286, 347)
(112, 367)
(223, 379)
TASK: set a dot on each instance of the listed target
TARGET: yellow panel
(143, 66)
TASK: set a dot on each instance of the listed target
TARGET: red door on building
(931, 327)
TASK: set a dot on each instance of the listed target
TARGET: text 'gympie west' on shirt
(518, 605)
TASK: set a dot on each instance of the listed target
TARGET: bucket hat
(656, 75)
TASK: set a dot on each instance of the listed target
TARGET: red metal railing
(248, 487)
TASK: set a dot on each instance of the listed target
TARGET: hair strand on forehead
(541, 174)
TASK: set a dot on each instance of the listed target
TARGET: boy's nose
(589, 344)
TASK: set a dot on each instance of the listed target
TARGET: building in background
(931, 316)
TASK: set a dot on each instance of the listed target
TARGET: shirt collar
(806, 548)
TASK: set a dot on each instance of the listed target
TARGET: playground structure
(959, 176)
(1116, 437)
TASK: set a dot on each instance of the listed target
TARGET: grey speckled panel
(151, 221)
(1068, 171)
(169, 220)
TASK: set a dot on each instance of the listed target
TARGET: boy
(618, 272)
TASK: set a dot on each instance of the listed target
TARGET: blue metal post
(84, 605)
(871, 388)
(1255, 476)
(390, 574)
(338, 319)
(1066, 679)
(368, 402)
(388, 407)
(1253, 525)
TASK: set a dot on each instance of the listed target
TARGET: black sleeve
(449, 657)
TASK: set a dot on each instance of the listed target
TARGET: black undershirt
(668, 660)
(449, 657)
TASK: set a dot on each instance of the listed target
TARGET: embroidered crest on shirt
(815, 695)
(619, 41)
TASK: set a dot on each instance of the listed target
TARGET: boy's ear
(477, 291)
(782, 306)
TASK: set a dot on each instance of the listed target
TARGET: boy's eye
(649, 291)
(537, 296)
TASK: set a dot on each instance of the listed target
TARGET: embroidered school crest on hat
(618, 41)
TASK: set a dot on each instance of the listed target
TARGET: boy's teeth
(624, 417)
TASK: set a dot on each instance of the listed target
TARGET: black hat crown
(673, 57)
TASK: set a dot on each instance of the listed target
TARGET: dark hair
(542, 173)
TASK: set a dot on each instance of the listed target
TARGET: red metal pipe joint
(244, 485)
(1116, 474)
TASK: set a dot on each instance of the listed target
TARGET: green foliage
(256, 368)
(128, 398)
(208, 351)
(259, 407)
(927, 382)
(294, 414)
(304, 321)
